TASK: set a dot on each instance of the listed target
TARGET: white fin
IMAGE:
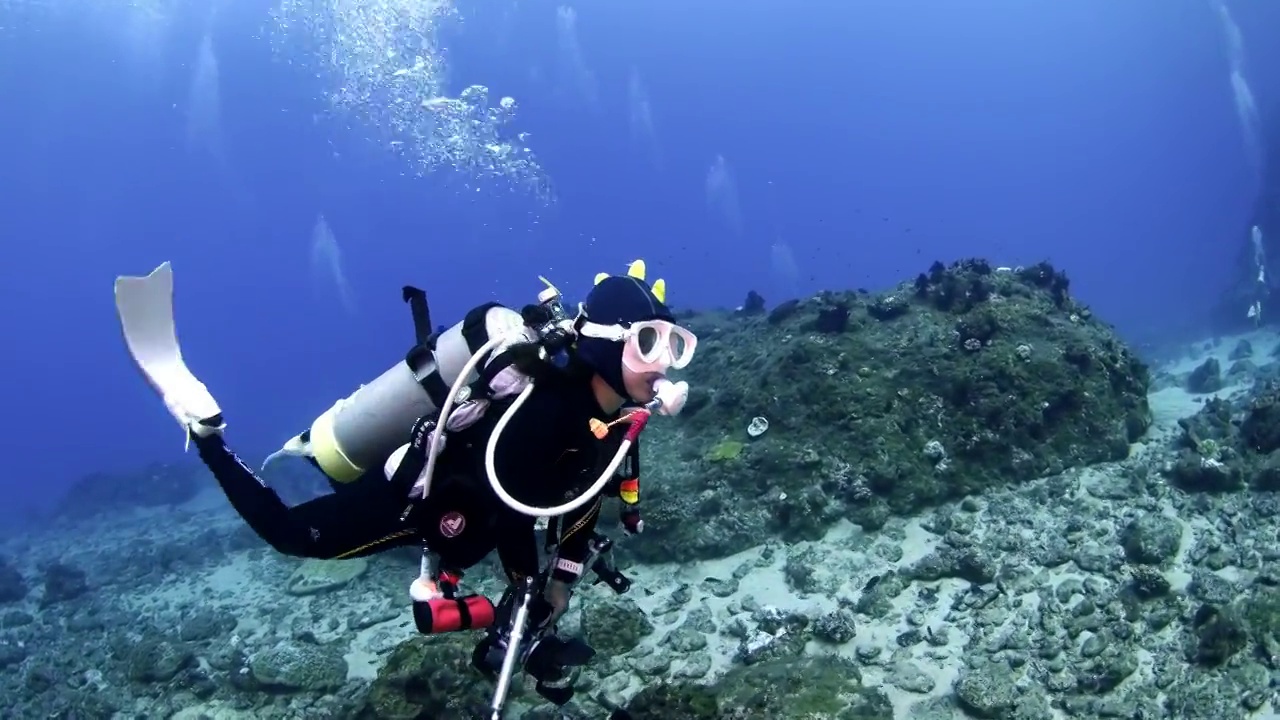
(145, 307)
(296, 447)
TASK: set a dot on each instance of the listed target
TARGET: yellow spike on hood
(636, 269)
(660, 290)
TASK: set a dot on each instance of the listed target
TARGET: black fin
(576, 653)
(555, 695)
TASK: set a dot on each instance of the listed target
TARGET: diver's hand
(557, 595)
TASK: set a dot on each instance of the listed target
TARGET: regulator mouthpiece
(670, 397)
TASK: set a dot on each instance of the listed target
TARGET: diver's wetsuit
(545, 456)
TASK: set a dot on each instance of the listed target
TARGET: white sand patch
(370, 646)
(1264, 342)
(1170, 405)
(249, 582)
(847, 552)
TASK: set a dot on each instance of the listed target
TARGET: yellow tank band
(327, 454)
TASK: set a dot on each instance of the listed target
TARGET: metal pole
(513, 649)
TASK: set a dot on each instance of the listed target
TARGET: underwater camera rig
(521, 638)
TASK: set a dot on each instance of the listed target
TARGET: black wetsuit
(546, 455)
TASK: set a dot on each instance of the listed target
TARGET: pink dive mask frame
(648, 345)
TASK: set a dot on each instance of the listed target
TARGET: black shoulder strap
(473, 326)
(420, 358)
(474, 332)
(417, 300)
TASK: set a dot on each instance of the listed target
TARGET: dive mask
(648, 345)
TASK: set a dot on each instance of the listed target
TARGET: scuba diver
(508, 417)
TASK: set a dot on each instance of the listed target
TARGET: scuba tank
(361, 431)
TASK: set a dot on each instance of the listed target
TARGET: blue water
(871, 138)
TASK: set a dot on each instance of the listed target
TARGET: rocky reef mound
(966, 378)
(1231, 443)
(157, 485)
(1143, 588)
(794, 687)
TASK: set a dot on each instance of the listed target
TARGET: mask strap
(616, 333)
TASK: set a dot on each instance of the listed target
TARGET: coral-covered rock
(793, 688)
(968, 378)
(12, 585)
(61, 583)
(157, 485)
(430, 677)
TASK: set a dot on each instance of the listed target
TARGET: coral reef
(860, 560)
(964, 380)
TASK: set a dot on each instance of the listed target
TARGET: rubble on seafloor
(970, 499)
